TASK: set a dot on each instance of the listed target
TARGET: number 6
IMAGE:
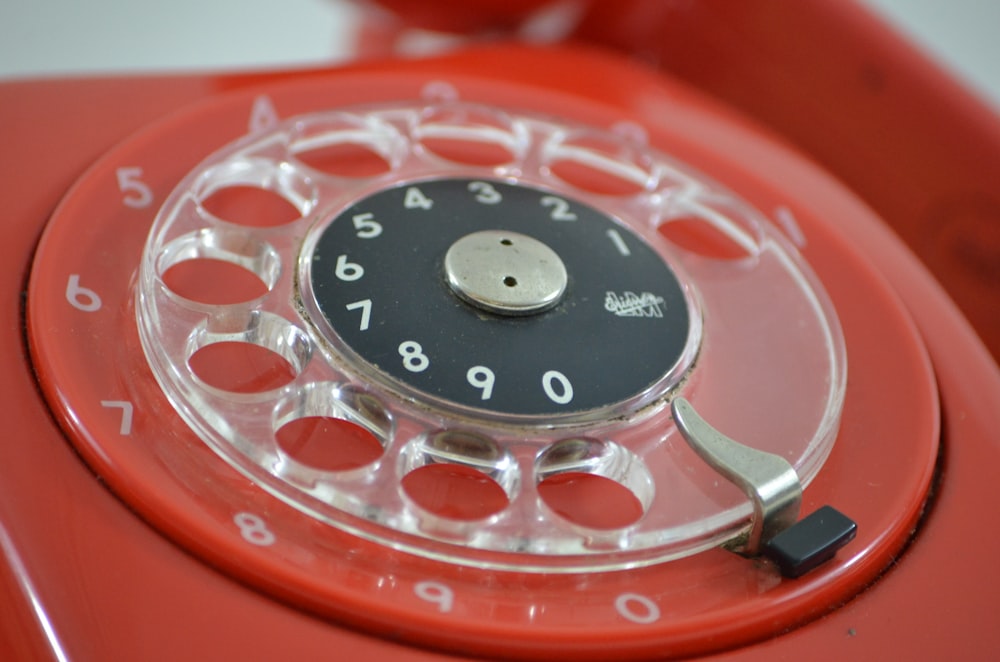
(348, 271)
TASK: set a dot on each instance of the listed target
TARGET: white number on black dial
(616, 329)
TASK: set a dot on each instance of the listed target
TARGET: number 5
(367, 226)
(137, 192)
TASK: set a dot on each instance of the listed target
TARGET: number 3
(485, 193)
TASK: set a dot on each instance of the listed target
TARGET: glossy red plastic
(89, 575)
(913, 143)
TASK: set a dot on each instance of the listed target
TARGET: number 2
(560, 208)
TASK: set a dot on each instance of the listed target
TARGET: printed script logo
(630, 304)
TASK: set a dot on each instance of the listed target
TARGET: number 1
(619, 243)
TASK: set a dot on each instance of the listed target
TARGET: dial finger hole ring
(593, 484)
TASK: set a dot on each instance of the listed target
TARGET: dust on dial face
(498, 297)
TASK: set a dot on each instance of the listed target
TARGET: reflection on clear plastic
(214, 265)
(770, 370)
(594, 484)
(469, 134)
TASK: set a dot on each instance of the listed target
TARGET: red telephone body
(112, 550)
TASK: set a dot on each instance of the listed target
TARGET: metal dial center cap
(507, 273)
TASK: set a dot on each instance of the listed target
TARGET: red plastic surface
(884, 118)
(98, 583)
(914, 144)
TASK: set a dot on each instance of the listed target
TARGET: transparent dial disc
(455, 331)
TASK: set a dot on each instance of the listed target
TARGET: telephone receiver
(668, 337)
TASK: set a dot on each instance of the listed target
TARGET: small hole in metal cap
(510, 281)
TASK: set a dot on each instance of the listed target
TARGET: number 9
(483, 378)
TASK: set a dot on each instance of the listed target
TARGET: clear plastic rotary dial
(346, 355)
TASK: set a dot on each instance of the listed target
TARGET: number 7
(366, 311)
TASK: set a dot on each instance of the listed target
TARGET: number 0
(646, 613)
(564, 394)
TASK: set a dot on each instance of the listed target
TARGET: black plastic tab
(810, 542)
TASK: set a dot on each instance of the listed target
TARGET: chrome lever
(767, 479)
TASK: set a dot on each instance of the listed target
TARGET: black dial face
(500, 297)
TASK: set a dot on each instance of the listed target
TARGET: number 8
(254, 530)
(413, 355)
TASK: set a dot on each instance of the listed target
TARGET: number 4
(263, 115)
(415, 199)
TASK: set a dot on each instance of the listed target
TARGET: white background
(53, 37)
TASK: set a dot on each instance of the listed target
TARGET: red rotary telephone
(607, 349)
